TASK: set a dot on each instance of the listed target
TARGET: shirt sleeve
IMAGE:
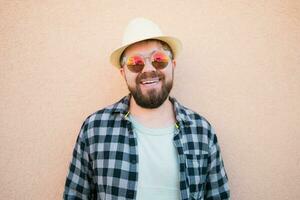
(79, 179)
(217, 187)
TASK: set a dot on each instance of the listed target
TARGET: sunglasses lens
(160, 60)
(135, 63)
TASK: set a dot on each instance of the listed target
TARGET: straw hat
(140, 29)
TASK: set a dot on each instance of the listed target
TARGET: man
(147, 145)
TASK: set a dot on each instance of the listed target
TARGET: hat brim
(173, 42)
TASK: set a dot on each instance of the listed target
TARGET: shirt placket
(133, 159)
(181, 158)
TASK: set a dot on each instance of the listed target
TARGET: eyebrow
(149, 53)
(160, 49)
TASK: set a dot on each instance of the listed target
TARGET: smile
(150, 81)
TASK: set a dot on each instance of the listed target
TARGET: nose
(148, 66)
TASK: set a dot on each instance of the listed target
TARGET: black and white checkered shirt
(105, 159)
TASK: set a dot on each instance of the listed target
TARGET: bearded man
(147, 146)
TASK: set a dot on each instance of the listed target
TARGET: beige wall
(239, 68)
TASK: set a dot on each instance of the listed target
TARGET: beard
(153, 98)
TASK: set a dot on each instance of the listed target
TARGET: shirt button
(133, 161)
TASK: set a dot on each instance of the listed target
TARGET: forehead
(143, 47)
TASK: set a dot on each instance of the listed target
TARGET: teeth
(147, 82)
(150, 81)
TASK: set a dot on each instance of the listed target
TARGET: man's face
(150, 87)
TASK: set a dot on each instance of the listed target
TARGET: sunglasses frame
(125, 59)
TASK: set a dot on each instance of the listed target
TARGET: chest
(115, 159)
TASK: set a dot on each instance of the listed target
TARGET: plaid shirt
(105, 159)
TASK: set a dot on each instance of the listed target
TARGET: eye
(135, 60)
(160, 60)
(135, 63)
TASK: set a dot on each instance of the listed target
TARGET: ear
(173, 63)
(122, 71)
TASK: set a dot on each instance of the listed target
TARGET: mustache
(150, 75)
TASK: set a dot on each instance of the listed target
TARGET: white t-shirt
(158, 170)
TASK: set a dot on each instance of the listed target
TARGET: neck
(160, 117)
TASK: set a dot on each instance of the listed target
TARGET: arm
(79, 179)
(217, 181)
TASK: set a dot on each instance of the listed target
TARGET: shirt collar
(181, 112)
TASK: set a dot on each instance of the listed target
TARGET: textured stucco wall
(239, 68)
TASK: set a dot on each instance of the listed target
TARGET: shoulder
(104, 117)
(195, 123)
(190, 116)
(197, 119)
